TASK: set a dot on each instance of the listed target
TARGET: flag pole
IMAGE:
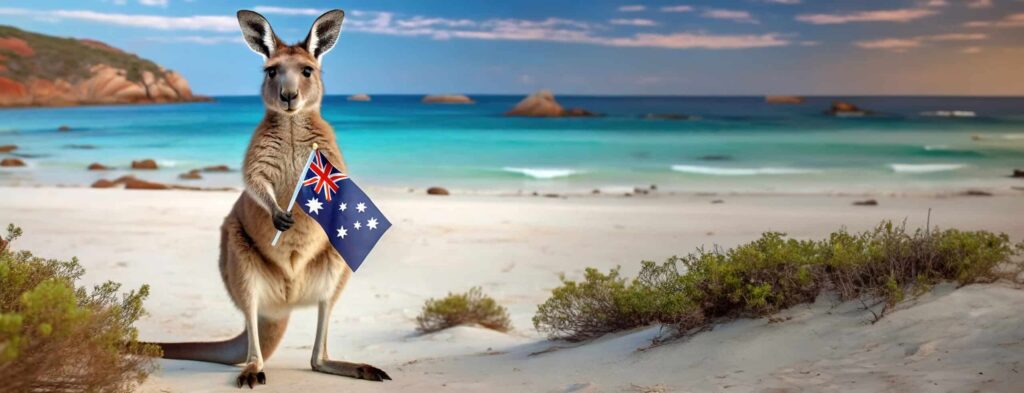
(295, 194)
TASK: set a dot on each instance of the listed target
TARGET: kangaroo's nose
(288, 96)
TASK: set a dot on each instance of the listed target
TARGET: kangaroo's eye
(307, 71)
(271, 72)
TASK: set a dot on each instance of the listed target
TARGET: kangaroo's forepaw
(352, 370)
(251, 376)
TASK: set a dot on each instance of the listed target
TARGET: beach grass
(57, 336)
(879, 268)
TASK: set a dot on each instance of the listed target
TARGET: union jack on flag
(352, 222)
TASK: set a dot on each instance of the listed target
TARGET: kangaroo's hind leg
(320, 361)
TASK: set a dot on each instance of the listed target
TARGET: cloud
(936, 3)
(979, 3)
(633, 22)
(786, 2)
(633, 8)
(735, 16)
(1012, 20)
(677, 8)
(558, 30)
(271, 10)
(154, 3)
(904, 44)
(897, 15)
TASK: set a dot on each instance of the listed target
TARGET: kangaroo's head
(291, 73)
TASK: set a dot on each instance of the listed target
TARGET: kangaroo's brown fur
(266, 282)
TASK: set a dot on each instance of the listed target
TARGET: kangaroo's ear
(257, 33)
(324, 33)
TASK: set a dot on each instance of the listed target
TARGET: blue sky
(951, 47)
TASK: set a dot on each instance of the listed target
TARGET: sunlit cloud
(677, 8)
(905, 44)
(633, 22)
(786, 2)
(271, 10)
(633, 8)
(979, 3)
(735, 16)
(897, 15)
(154, 3)
(1012, 20)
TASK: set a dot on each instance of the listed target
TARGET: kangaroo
(266, 282)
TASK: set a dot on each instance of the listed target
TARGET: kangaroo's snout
(288, 96)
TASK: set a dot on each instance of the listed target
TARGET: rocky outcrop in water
(543, 104)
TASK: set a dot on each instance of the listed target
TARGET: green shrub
(472, 307)
(880, 266)
(56, 336)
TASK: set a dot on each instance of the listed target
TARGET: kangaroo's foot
(251, 375)
(351, 370)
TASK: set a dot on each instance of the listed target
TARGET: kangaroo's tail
(231, 351)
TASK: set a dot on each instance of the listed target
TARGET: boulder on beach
(191, 175)
(217, 168)
(103, 183)
(447, 99)
(437, 191)
(866, 202)
(64, 128)
(12, 162)
(362, 97)
(543, 104)
(1018, 173)
(146, 164)
(8, 148)
(139, 184)
(845, 109)
(783, 99)
(98, 167)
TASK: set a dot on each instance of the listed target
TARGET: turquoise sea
(729, 144)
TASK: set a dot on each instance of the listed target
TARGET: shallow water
(731, 144)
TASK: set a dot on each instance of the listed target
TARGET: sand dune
(515, 247)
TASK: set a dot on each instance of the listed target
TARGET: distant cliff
(41, 70)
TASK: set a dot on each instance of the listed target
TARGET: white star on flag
(372, 223)
(361, 207)
(342, 232)
(358, 225)
(314, 205)
(344, 206)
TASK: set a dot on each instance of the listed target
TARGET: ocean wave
(1013, 136)
(936, 147)
(924, 168)
(722, 171)
(543, 173)
(950, 114)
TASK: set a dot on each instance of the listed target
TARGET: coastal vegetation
(469, 308)
(879, 268)
(58, 336)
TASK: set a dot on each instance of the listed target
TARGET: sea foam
(924, 168)
(543, 173)
(721, 171)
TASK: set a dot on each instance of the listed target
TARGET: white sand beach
(967, 339)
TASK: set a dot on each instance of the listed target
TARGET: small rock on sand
(437, 191)
(12, 162)
(866, 202)
(717, 201)
(362, 97)
(103, 183)
(146, 164)
(8, 148)
(447, 99)
(190, 175)
(977, 193)
(1018, 173)
(98, 167)
(64, 128)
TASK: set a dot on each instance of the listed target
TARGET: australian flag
(353, 224)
